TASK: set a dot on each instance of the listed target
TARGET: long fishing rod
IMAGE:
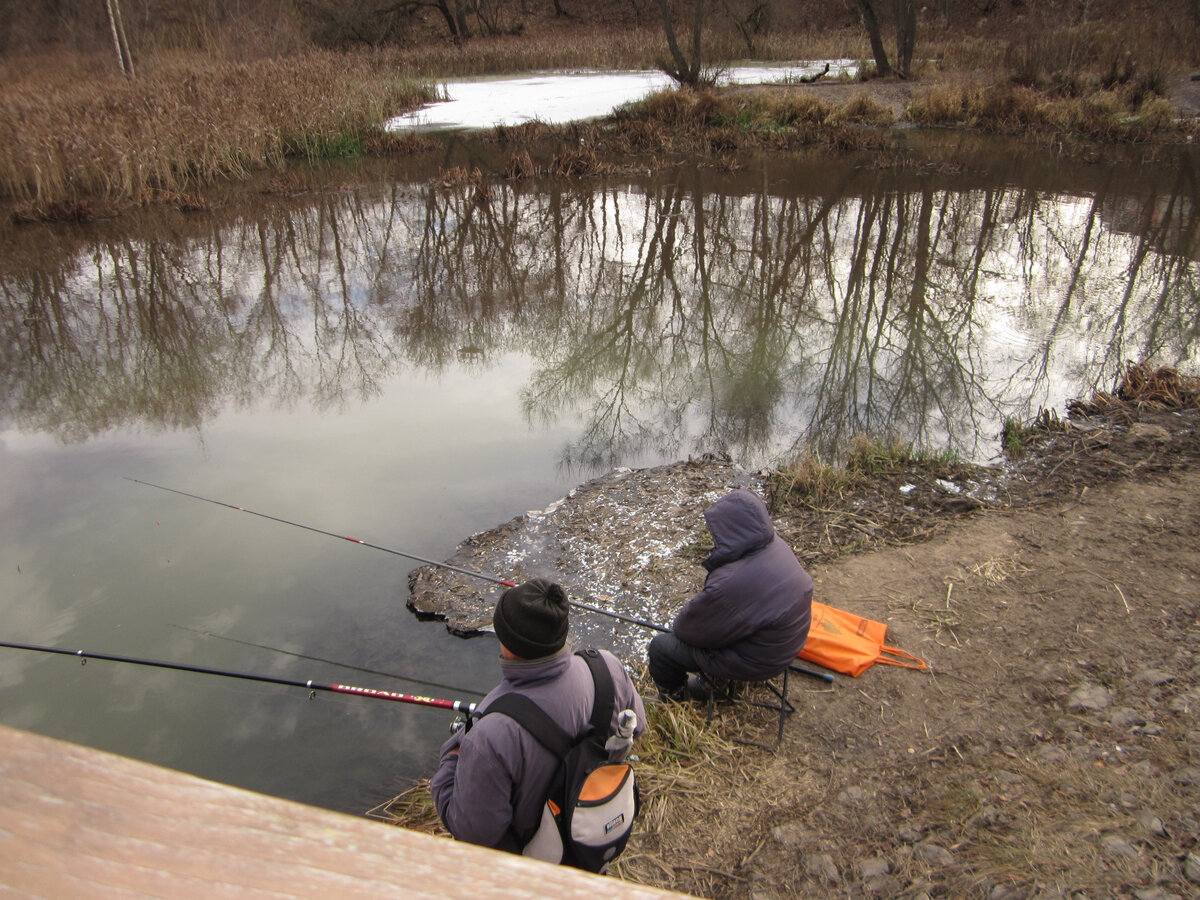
(432, 562)
(375, 693)
(332, 534)
(331, 662)
(823, 676)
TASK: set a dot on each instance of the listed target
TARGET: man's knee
(669, 660)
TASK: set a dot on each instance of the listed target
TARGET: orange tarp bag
(850, 644)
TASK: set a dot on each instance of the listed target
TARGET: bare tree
(686, 71)
(120, 40)
(905, 14)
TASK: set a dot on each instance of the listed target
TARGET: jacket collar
(523, 672)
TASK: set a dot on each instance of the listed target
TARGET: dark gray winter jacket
(752, 617)
(491, 791)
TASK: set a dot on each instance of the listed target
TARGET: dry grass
(572, 45)
(1104, 115)
(680, 761)
(1145, 386)
(187, 122)
(718, 122)
(83, 136)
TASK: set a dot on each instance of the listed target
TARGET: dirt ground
(1051, 750)
(1052, 747)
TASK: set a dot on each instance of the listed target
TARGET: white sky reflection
(559, 97)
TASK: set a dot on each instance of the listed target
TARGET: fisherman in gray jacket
(493, 779)
(751, 618)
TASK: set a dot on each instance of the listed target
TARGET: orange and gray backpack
(587, 819)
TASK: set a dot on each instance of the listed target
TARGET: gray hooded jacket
(752, 617)
(492, 790)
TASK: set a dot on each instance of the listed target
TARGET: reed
(720, 122)
(188, 122)
(582, 46)
(1120, 114)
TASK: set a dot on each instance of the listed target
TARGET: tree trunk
(112, 24)
(682, 69)
(451, 25)
(906, 36)
(872, 25)
(463, 30)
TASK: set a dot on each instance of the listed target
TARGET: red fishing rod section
(463, 706)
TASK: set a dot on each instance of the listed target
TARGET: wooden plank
(75, 821)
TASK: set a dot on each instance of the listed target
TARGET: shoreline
(1050, 748)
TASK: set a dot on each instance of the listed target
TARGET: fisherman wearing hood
(751, 618)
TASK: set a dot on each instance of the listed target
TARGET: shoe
(701, 687)
(679, 695)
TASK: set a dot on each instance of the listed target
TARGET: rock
(908, 834)
(1143, 432)
(1185, 703)
(821, 865)
(792, 834)
(934, 854)
(1118, 847)
(851, 796)
(1155, 893)
(1007, 778)
(1051, 753)
(1191, 868)
(1153, 676)
(1152, 823)
(873, 867)
(1124, 717)
(1090, 696)
(883, 886)
(989, 817)
(1143, 768)
(1187, 775)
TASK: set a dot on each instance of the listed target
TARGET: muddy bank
(628, 542)
(1051, 750)
(631, 541)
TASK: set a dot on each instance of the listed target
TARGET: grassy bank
(83, 135)
(187, 122)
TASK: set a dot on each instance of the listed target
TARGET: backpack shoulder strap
(548, 733)
(531, 717)
(602, 706)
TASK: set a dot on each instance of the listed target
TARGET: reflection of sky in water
(344, 397)
(559, 97)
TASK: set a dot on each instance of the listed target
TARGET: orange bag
(850, 644)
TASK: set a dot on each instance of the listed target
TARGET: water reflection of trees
(670, 319)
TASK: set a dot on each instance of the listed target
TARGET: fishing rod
(311, 686)
(823, 676)
(332, 534)
(331, 662)
(432, 562)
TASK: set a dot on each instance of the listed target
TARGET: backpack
(588, 817)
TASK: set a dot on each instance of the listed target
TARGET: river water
(409, 363)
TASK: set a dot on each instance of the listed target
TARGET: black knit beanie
(531, 619)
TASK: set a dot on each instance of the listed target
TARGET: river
(383, 356)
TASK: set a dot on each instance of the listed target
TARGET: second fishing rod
(822, 676)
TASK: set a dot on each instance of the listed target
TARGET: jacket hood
(740, 525)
